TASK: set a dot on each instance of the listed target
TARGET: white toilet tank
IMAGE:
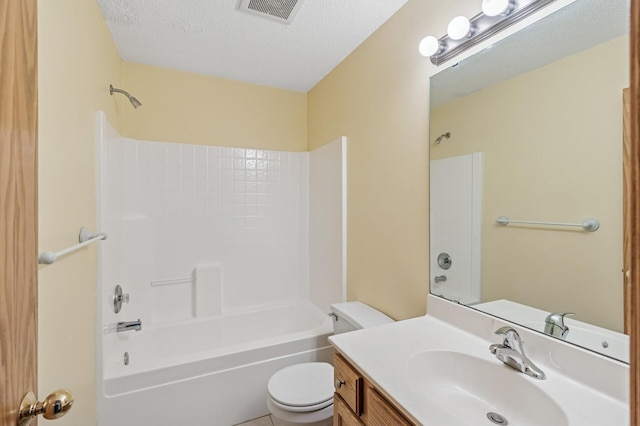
(349, 316)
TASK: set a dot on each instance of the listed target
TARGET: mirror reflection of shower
(135, 102)
(439, 139)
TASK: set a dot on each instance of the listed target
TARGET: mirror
(531, 129)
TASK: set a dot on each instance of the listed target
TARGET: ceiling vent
(278, 10)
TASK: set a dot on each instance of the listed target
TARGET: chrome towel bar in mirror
(589, 224)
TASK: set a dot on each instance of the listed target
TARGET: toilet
(302, 394)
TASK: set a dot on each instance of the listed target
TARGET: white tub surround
(212, 244)
(456, 203)
(199, 230)
(590, 389)
(328, 226)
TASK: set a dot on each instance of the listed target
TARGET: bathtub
(206, 372)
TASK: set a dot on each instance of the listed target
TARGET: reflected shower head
(136, 103)
(439, 139)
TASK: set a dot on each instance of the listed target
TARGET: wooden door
(626, 196)
(632, 210)
(18, 205)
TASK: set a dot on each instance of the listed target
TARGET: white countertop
(382, 353)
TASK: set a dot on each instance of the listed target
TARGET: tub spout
(129, 325)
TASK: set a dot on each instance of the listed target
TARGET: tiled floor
(261, 421)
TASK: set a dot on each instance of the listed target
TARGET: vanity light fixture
(430, 46)
(463, 33)
(497, 7)
(459, 28)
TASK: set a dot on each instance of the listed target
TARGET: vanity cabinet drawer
(348, 384)
(380, 412)
(358, 403)
(342, 414)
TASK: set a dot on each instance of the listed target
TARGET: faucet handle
(554, 324)
(507, 331)
(557, 318)
(511, 338)
(119, 298)
(504, 330)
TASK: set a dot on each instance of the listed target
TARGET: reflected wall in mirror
(544, 109)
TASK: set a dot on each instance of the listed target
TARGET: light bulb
(496, 7)
(429, 46)
(459, 28)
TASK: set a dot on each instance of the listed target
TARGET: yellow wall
(196, 109)
(552, 144)
(77, 61)
(378, 97)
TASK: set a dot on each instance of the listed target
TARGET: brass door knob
(53, 407)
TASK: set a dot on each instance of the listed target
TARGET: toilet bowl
(302, 394)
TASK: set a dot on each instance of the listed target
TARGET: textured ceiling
(213, 37)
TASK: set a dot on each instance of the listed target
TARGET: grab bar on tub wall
(85, 237)
(589, 224)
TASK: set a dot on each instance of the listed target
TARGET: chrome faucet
(511, 352)
(129, 325)
(554, 325)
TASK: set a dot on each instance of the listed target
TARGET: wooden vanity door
(380, 412)
(342, 414)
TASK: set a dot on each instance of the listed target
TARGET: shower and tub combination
(219, 270)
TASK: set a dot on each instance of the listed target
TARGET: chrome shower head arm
(113, 89)
(135, 102)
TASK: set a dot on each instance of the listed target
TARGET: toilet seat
(302, 409)
(302, 387)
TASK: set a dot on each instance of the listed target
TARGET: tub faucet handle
(119, 298)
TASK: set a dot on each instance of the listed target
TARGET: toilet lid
(302, 385)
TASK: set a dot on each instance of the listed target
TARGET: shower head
(439, 139)
(136, 103)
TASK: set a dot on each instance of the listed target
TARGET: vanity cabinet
(358, 402)
(342, 414)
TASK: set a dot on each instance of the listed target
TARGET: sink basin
(467, 389)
